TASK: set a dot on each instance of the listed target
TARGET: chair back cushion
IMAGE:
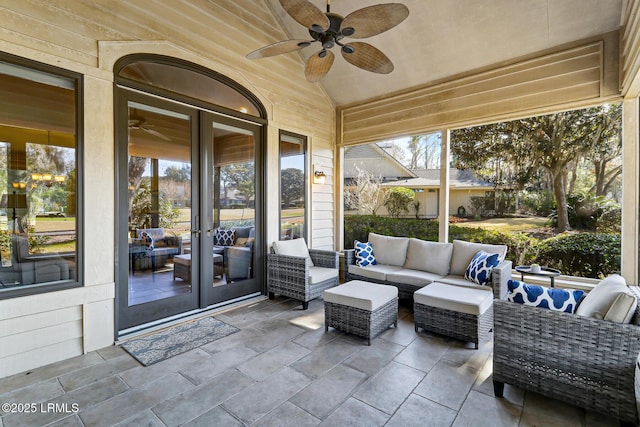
(433, 257)
(294, 247)
(598, 301)
(389, 250)
(463, 253)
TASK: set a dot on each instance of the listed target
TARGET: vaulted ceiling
(444, 38)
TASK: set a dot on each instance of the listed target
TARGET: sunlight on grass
(508, 225)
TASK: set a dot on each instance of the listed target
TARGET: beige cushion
(622, 309)
(320, 274)
(362, 295)
(388, 249)
(463, 253)
(433, 257)
(456, 280)
(598, 301)
(378, 271)
(454, 298)
(412, 277)
(295, 247)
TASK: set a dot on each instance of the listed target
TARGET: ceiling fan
(329, 29)
(138, 122)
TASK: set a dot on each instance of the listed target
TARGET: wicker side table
(455, 311)
(361, 308)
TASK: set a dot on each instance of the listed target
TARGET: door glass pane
(159, 204)
(234, 191)
(292, 186)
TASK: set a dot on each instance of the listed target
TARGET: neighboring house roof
(430, 178)
(376, 161)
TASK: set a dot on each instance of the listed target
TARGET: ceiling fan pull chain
(328, 6)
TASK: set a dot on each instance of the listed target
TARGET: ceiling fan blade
(154, 133)
(318, 66)
(307, 14)
(372, 20)
(367, 57)
(278, 48)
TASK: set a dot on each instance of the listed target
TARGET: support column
(630, 189)
(443, 205)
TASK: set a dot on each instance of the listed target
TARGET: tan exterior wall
(88, 37)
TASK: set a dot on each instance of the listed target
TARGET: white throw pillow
(433, 257)
(295, 247)
(598, 301)
(463, 253)
(622, 309)
(389, 250)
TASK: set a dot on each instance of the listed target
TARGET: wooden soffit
(568, 77)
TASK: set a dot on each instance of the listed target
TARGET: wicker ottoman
(460, 312)
(361, 308)
(182, 266)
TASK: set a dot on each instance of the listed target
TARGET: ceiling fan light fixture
(348, 49)
(304, 44)
(317, 28)
(322, 53)
(348, 32)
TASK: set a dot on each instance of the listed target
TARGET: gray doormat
(177, 340)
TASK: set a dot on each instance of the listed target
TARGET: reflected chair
(300, 273)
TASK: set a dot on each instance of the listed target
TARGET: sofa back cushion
(598, 301)
(389, 250)
(433, 257)
(294, 247)
(463, 253)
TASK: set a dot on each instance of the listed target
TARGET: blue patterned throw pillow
(364, 254)
(556, 299)
(479, 270)
(225, 237)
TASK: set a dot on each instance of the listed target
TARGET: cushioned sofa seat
(413, 277)
(376, 272)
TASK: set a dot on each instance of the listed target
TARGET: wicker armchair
(295, 277)
(583, 361)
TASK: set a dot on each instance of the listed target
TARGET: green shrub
(397, 200)
(521, 247)
(357, 227)
(610, 221)
(594, 255)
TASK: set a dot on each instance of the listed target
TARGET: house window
(38, 177)
(293, 185)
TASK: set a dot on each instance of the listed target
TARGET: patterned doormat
(176, 340)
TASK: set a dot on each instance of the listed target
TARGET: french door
(186, 179)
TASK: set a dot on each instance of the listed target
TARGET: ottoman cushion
(454, 298)
(360, 294)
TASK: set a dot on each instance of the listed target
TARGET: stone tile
(416, 410)
(541, 410)
(272, 338)
(144, 418)
(484, 384)
(64, 405)
(374, 357)
(111, 352)
(36, 393)
(465, 354)
(270, 361)
(261, 398)
(72, 421)
(355, 413)
(128, 404)
(325, 394)
(390, 387)
(230, 341)
(212, 366)
(98, 372)
(286, 415)
(404, 334)
(213, 418)
(193, 403)
(447, 384)
(480, 410)
(316, 338)
(24, 379)
(423, 353)
(141, 375)
(325, 358)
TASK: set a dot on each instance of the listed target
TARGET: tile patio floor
(282, 369)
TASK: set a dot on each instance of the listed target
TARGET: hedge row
(594, 255)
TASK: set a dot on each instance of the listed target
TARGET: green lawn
(508, 225)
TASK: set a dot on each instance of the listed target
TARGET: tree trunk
(560, 195)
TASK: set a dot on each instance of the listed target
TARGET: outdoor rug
(176, 340)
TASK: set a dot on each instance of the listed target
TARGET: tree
(415, 151)
(397, 200)
(527, 147)
(291, 185)
(240, 177)
(178, 174)
(365, 194)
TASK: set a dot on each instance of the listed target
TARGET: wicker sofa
(584, 361)
(410, 264)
